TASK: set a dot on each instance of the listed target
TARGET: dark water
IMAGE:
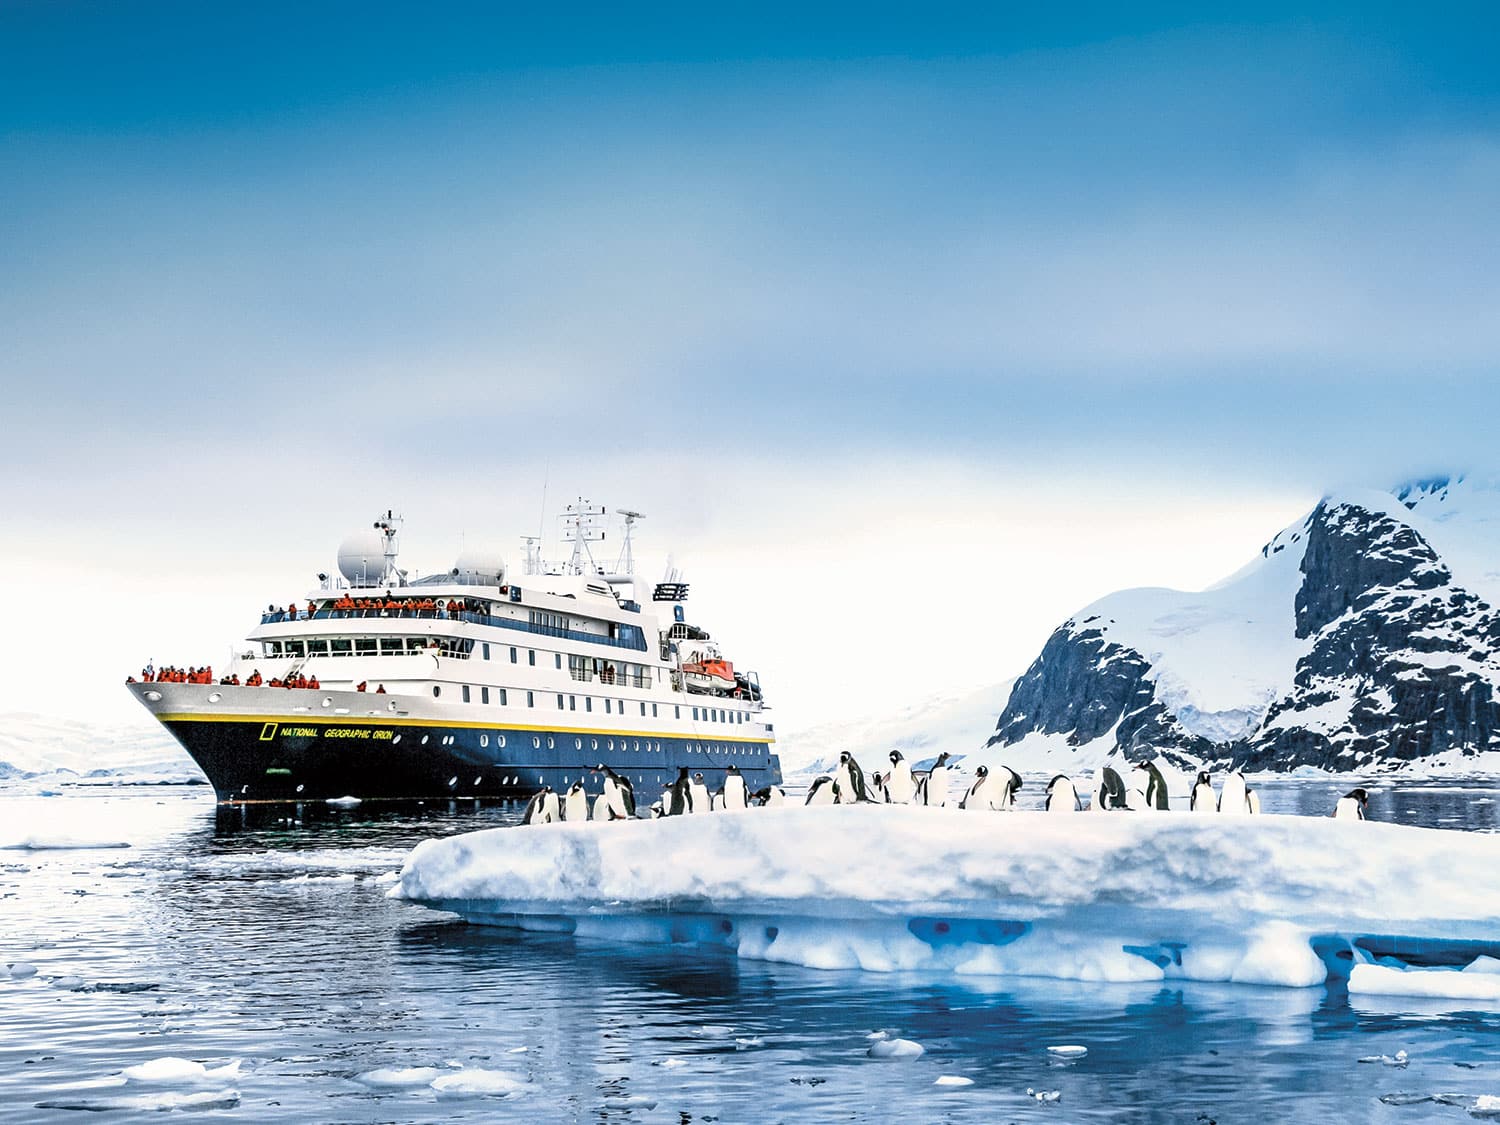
(216, 938)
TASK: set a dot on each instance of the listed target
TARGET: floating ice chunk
(68, 983)
(714, 1031)
(1486, 1105)
(1068, 1051)
(476, 1082)
(1403, 1098)
(672, 1064)
(163, 1100)
(171, 1071)
(1044, 1095)
(752, 1041)
(38, 842)
(896, 1049)
(1442, 984)
(398, 1078)
(1483, 964)
(345, 802)
(629, 1101)
(21, 970)
(518, 1050)
(1398, 1060)
(878, 1035)
(953, 1080)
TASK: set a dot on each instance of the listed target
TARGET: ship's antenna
(387, 526)
(581, 527)
(532, 545)
(626, 565)
(541, 518)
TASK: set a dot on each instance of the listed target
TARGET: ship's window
(500, 741)
(530, 699)
(364, 646)
(578, 744)
(484, 740)
(536, 742)
(415, 644)
(531, 657)
(609, 744)
(676, 711)
(395, 740)
(436, 691)
(273, 648)
(294, 648)
(653, 710)
(390, 644)
(466, 693)
(512, 654)
(572, 703)
(637, 745)
(557, 659)
(503, 700)
(550, 743)
(484, 695)
(606, 707)
(559, 703)
(695, 714)
(486, 648)
(643, 707)
(424, 740)
(341, 646)
(317, 648)
(588, 703)
(594, 743)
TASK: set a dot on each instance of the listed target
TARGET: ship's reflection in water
(263, 933)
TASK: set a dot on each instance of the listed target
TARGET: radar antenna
(626, 565)
(532, 546)
(388, 526)
(580, 528)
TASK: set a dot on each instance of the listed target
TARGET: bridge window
(341, 646)
(390, 646)
(364, 646)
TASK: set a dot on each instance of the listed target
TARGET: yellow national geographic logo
(268, 732)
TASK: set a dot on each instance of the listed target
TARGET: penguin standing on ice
(619, 794)
(601, 807)
(1234, 797)
(575, 805)
(1252, 801)
(772, 796)
(877, 789)
(1061, 795)
(849, 781)
(935, 791)
(1156, 787)
(1351, 805)
(543, 808)
(899, 786)
(681, 801)
(1203, 800)
(734, 797)
(978, 796)
(820, 792)
(1110, 793)
(698, 799)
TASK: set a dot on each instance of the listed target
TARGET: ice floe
(1272, 900)
(476, 1082)
(953, 1080)
(157, 1101)
(896, 1049)
(173, 1071)
(398, 1078)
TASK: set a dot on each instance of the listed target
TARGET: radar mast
(581, 526)
(626, 563)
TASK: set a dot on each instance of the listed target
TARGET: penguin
(542, 808)
(619, 795)
(1010, 785)
(877, 789)
(681, 801)
(734, 795)
(1110, 793)
(1156, 787)
(575, 805)
(1061, 795)
(1351, 806)
(978, 795)
(1203, 800)
(601, 807)
(698, 799)
(1234, 797)
(658, 810)
(820, 792)
(771, 796)
(1252, 801)
(935, 791)
(899, 786)
(849, 781)
(1135, 799)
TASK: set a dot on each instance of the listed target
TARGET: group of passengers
(205, 675)
(387, 606)
(173, 675)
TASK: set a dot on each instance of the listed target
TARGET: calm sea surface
(222, 937)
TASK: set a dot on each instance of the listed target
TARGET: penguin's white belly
(1232, 800)
(698, 797)
(1203, 800)
(1346, 809)
(601, 807)
(937, 787)
(576, 807)
(900, 787)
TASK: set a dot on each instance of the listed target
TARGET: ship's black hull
(303, 759)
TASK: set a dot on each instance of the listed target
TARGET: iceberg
(1266, 900)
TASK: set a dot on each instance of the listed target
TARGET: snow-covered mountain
(957, 723)
(1363, 637)
(42, 744)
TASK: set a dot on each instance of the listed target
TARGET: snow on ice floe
(476, 1082)
(954, 1080)
(1068, 1051)
(1429, 983)
(1274, 900)
(896, 1049)
(173, 1071)
(398, 1078)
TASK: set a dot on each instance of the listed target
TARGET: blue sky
(269, 267)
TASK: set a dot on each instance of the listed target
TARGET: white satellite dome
(362, 558)
(480, 566)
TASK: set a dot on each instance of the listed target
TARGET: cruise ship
(474, 683)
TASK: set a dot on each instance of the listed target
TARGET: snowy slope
(956, 722)
(39, 744)
(1362, 637)
(1262, 900)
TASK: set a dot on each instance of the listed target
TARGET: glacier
(1268, 900)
